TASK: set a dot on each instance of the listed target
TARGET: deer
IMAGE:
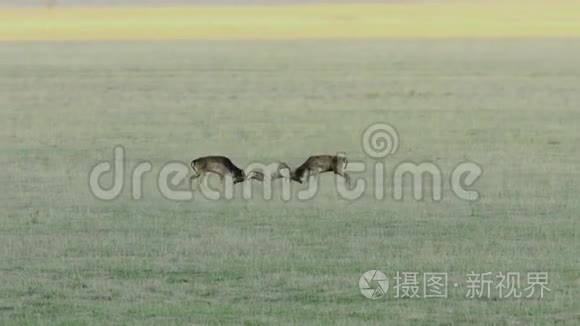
(223, 167)
(317, 164)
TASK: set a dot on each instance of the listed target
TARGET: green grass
(68, 258)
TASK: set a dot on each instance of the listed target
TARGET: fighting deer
(319, 164)
(223, 167)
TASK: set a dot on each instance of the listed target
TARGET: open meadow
(69, 257)
(464, 84)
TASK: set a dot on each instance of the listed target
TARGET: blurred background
(33, 3)
(148, 20)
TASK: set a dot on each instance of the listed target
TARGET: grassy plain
(68, 258)
(430, 19)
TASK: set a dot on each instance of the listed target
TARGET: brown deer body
(319, 164)
(221, 166)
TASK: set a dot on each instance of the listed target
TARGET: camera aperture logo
(373, 284)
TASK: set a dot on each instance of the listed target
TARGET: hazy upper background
(32, 3)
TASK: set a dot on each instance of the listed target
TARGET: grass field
(431, 19)
(68, 258)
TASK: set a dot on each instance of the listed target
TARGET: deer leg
(192, 178)
(345, 176)
(313, 172)
(219, 173)
(340, 171)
